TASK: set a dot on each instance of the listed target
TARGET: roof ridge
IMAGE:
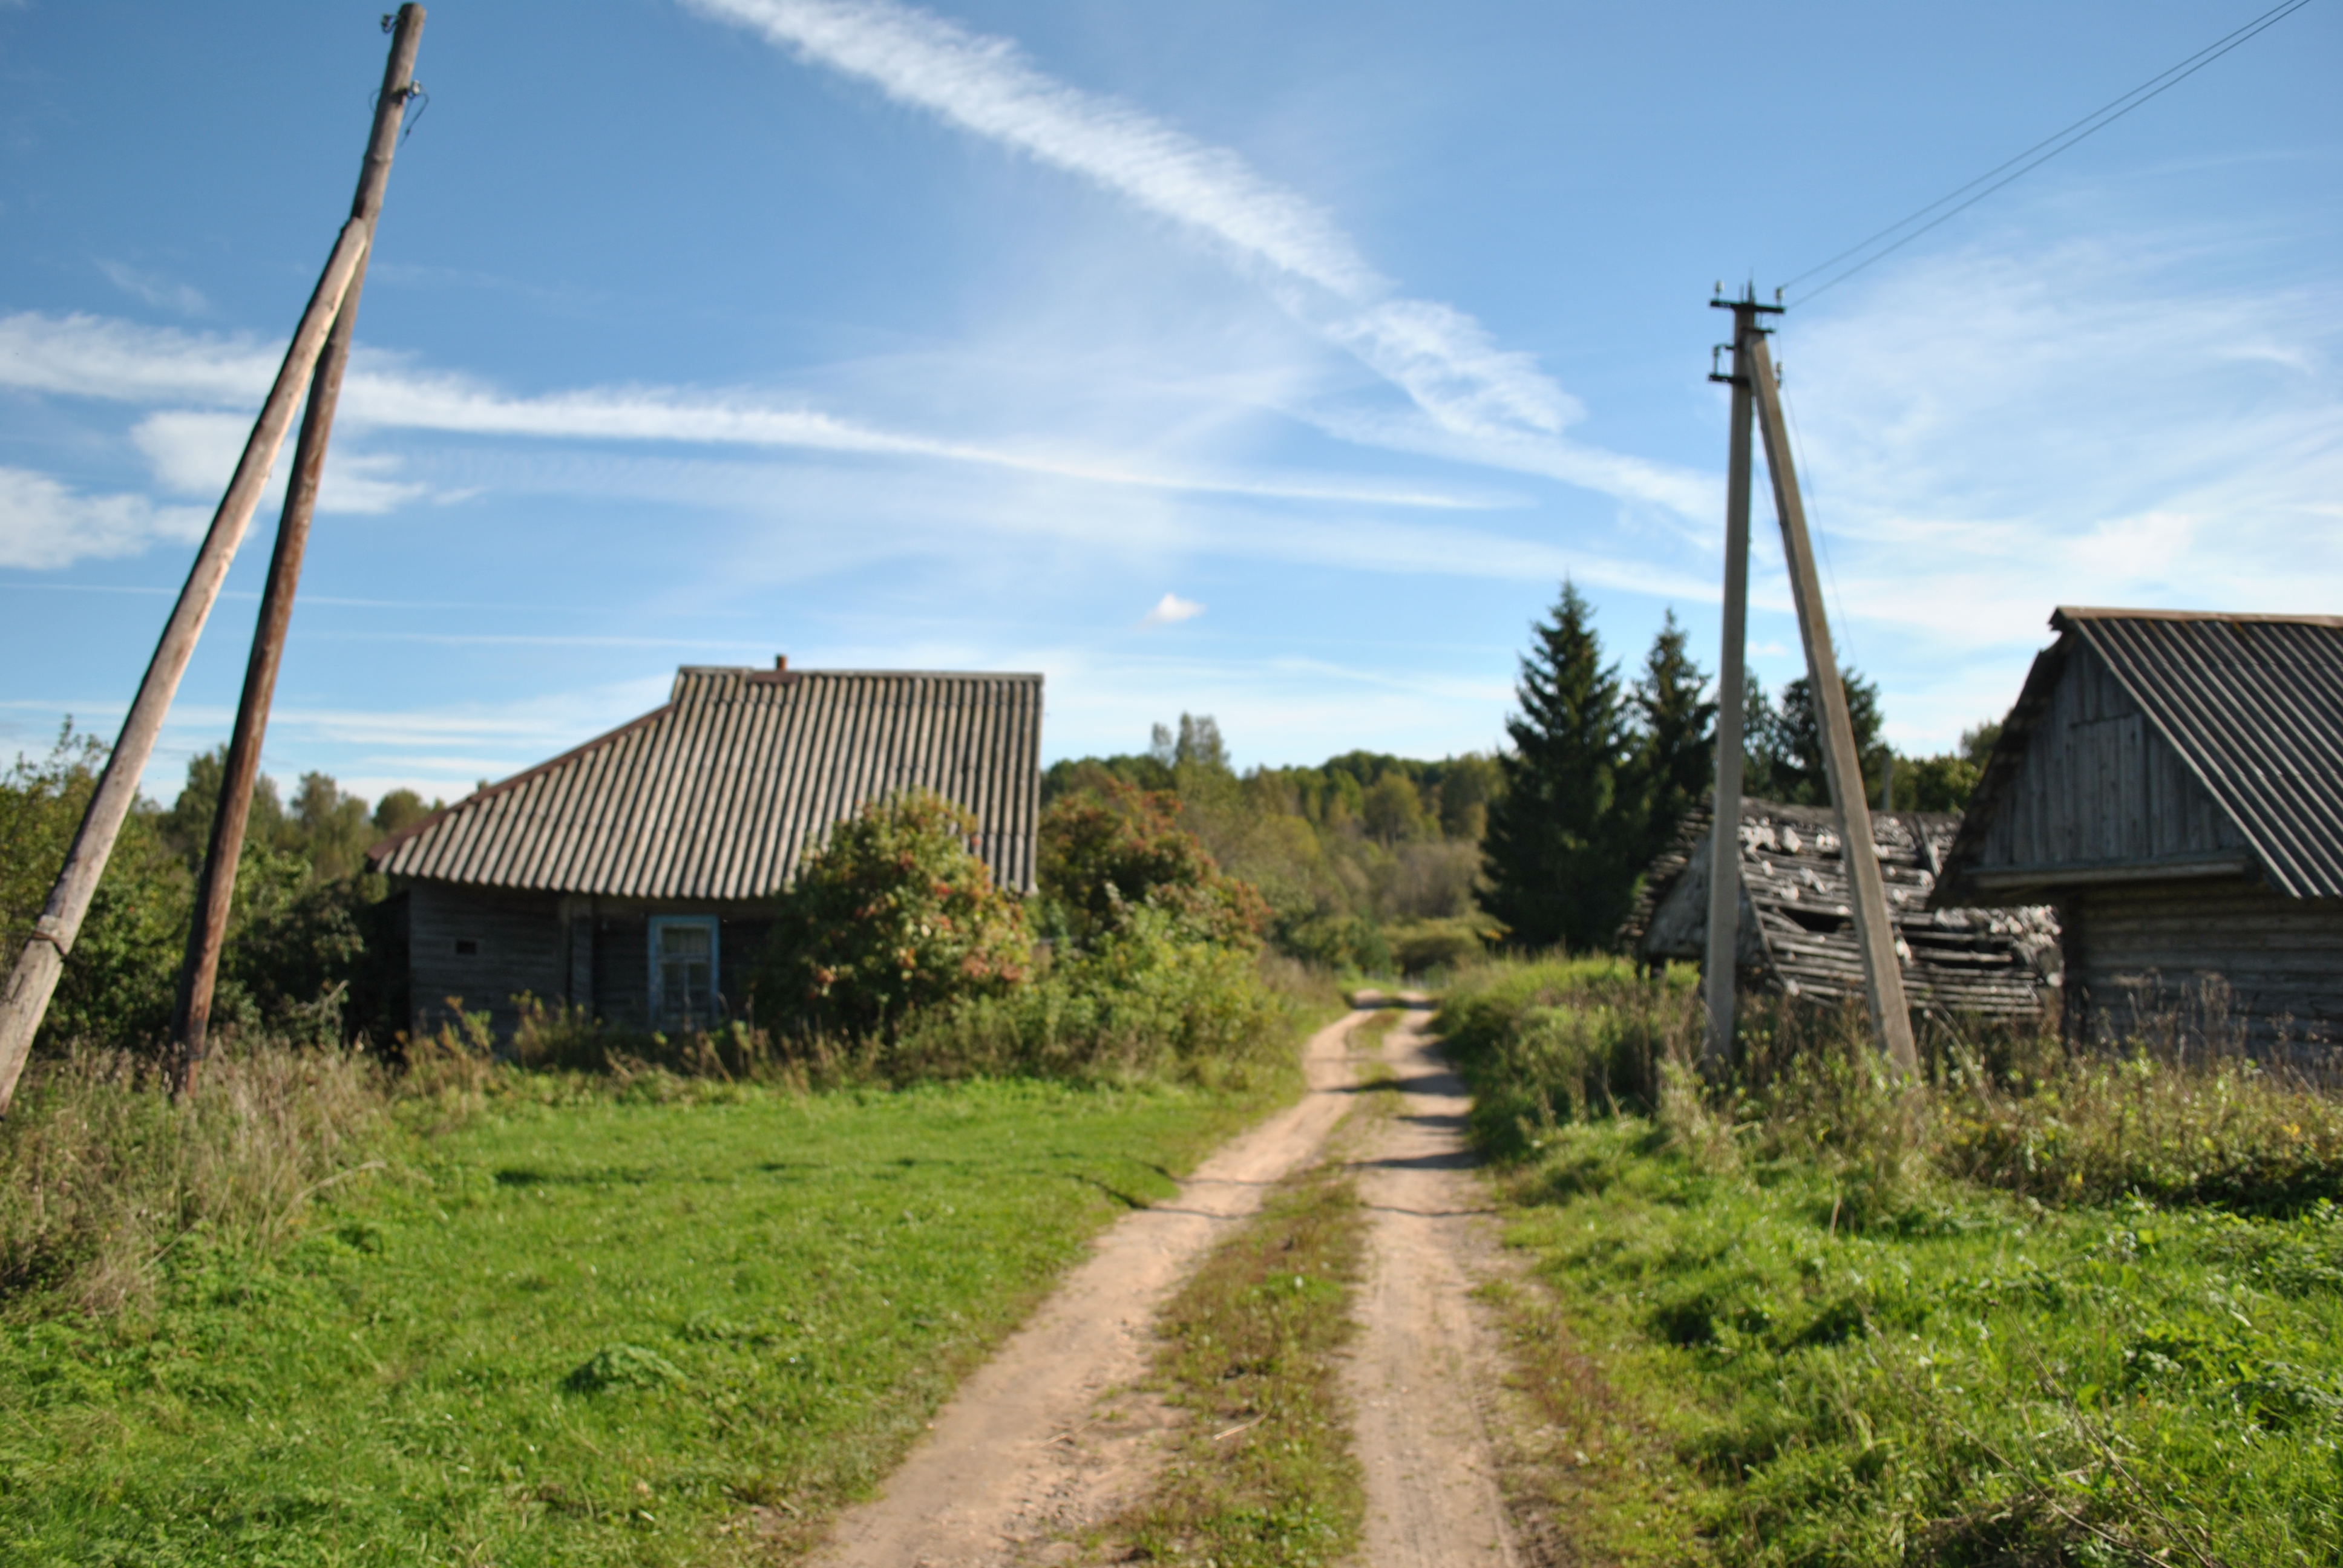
(2098, 612)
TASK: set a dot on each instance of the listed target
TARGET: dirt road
(1428, 1359)
(1024, 1451)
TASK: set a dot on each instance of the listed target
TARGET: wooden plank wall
(582, 951)
(2280, 958)
(2100, 786)
(517, 946)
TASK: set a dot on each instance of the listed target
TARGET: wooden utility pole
(216, 889)
(35, 978)
(34, 981)
(1721, 971)
(1875, 931)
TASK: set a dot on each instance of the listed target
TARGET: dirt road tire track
(1023, 1452)
(1429, 1359)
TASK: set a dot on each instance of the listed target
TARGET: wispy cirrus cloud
(120, 361)
(44, 525)
(1479, 402)
(163, 293)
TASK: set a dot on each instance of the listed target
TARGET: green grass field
(1735, 1376)
(596, 1332)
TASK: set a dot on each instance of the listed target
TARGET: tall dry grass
(2176, 1112)
(105, 1172)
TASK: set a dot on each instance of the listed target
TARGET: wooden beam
(35, 978)
(1875, 931)
(216, 888)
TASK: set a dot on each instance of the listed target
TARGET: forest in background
(1369, 863)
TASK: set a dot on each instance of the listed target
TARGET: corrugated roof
(719, 794)
(2251, 704)
(2254, 705)
(1797, 929)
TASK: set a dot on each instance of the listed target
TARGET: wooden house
(2173, 781)
(635, 876)
(1797, 934)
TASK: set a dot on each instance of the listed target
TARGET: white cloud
(89, 356)
(1470, 389)
(1171, 609)
(154, 289)
(44, 524)
(195, 454)
(2006, 429)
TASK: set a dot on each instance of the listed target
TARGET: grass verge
(1739, 1380)
(1263, 1471)
(574, 1330)
(2045, 1309)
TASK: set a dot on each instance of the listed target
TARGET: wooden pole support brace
(216, 887)
(1875, 929)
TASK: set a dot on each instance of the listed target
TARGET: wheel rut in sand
(1428, 1361)
(1044, 1438)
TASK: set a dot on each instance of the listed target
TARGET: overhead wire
(2017, 167)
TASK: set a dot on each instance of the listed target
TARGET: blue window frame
(683, 971)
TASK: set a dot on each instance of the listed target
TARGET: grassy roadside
(2071, 1317)
(1262, 1471)
(580, 1333)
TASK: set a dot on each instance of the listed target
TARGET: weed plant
(2049, 1306)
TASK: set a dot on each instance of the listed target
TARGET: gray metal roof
(2252, 704)
(719, 794)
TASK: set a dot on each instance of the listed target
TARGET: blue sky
(1271, 362)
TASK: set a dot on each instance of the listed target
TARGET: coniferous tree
(1673, 758)
(1557, 852)
(1799, 746)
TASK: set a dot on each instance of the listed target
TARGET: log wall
(2139, 958)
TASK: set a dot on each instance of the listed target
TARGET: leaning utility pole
(34, 981)
(216, 889)
(1720, 973)
(1875, 931)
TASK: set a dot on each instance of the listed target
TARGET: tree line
(1603, 769)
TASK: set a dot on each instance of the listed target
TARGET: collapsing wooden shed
(2172, 782)
(635, 877)
(1797, 935)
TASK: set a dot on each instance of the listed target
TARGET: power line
(2089, 125)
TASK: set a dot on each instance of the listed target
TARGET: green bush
(1551, 1040)
(1149, 1000)
(1104, 855)
(1429, 947)
(894, 914)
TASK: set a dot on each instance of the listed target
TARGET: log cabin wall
(2099, 787)
(485, 948)
(2141, 960)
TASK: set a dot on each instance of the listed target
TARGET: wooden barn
(635, 876)
(2173, 781)
(1797, 935)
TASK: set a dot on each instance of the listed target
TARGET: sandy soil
(1045, 1438)
(1428, 1361)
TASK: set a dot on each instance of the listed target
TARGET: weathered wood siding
(2099, 787)
(2134, 952)
(485, 948)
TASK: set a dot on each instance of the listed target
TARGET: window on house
(683, 969)
(468, 947)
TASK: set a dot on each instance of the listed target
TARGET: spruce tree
(1801, 781)
(1672, 760)
(1558, 861)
